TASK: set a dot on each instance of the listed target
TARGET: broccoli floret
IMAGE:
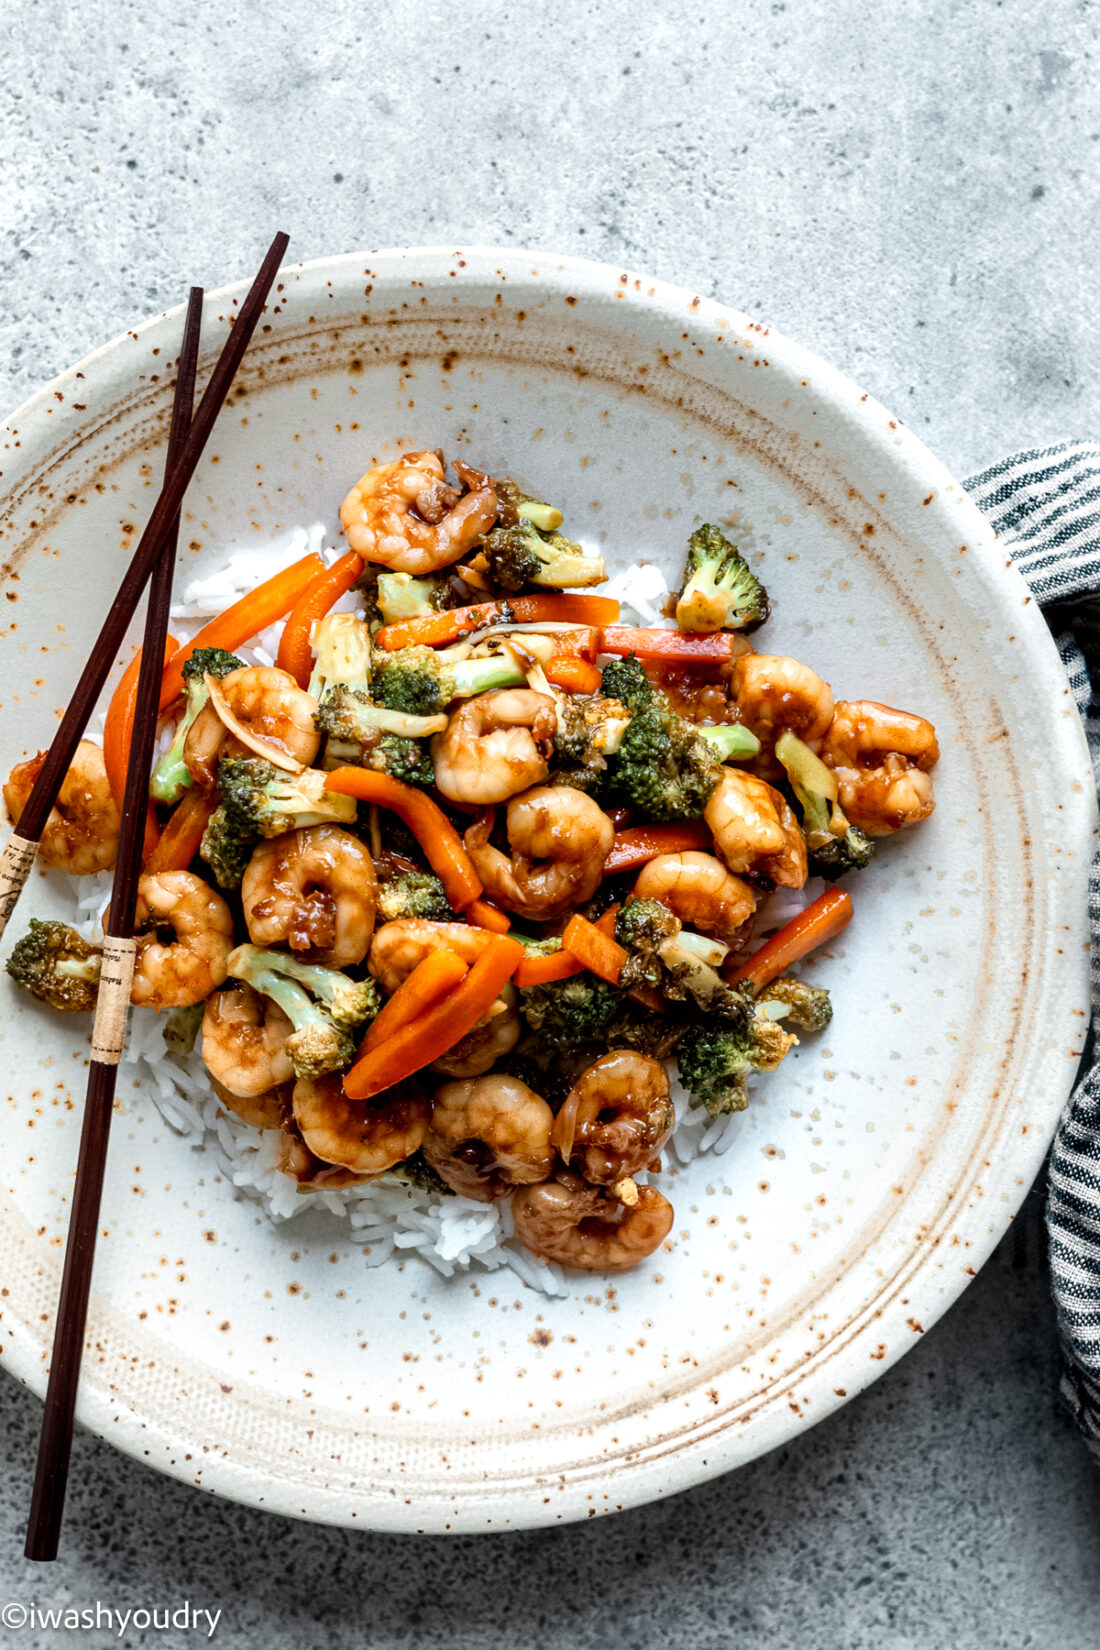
(662, 767)
(323, 1022)
(526, 547)
(642, 926)
(344, 655)
(833, 845)
(422, 681)
(720, 590)
(353, 724)
(626, 681)
(683, 966)
(259, 800)
(806, 1006)
(589, 730)
(583, 1011)
(714, 1057)
(409, 760)
(413, 894)
(170, 777)
(55, 965)
(400, 596)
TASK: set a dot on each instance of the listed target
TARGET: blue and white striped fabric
(1045, 506)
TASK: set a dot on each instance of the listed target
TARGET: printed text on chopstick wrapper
(15, 868)
(116, 977)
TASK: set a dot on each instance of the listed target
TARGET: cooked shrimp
(699, 890)
(559, 840)
(881, 759)
(743, 820)
(495, 1034)
(176, 972)
(583, 1229)
(81, 834)
(616, 1117)
(365, 1136)
(244, 1042)
(269, 1109)
(775, 693)
(489, 1135)
(314, 890)
(294, 1158)
(790, 867)
(495, 745)
(399, 946)
(406, 517)
(268, 705)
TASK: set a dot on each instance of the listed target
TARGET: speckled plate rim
(929, 485)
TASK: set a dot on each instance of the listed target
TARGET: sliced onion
(271, 752)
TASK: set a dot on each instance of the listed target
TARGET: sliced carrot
(269, 601)
(118, 729)
(295, 654)
(641, 843)
(182, 836)
(431, 1034)
(817, 924)
(573, 675)
(483, 914)
(593, 949)
(671, 645)
(581, 642)
(439, 629)
(431, 979)
(442, 845)
(545, 966)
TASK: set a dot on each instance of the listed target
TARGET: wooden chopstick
(108, 1035)
(18, 855)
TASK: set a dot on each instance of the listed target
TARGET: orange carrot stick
(246, 618)
(671, 645)
(439, 629)
(431, 979)
(581, 642)
(573, 675)
(442, 845)
(641, 843)
(485, 915)
(545, 966)
(118, 731)
(593, 949)
(814, 926)
(295, 654)
(182, 836)
(429, 1036)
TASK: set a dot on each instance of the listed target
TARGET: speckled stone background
(913, 191)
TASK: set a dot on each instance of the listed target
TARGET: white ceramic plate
(872, 1176)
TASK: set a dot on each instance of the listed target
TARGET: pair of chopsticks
(153, 562)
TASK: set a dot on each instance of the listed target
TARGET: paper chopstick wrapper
(15, 867)
(115, 979)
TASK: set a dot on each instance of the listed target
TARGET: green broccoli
(55, 965)
(720, 591)
(662, 766)
(834, 846)
(413, 894)
(806, 1006)
(422, 681)
(589, 731)
(642, 926)
(170, 777)
(681, 965)
(409, 760)
(352, 723)
(526, 547)
(323, 1022)
(401, 596)
(583, 1012)
(715, 1055)
(258, 800)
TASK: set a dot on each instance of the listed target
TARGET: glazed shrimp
(755, 830)
(176, 972)
(398, 946)
(699, 890)
(775, 693)
(365, 1136)
(406, 517)
(616, 1117)
(494, 1035)
(488, 1136)
(495, 745)
(582, 1228)
(294, 1158)
(81, 834)
(244, 1042)
(262, 704)
(269, 1109)
(559, 840)
(881, 759)
(314, 890)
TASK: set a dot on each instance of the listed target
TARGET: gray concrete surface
(913, 191)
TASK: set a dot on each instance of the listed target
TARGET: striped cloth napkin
(1045, 507)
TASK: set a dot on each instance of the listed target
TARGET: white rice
(386, 1218)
